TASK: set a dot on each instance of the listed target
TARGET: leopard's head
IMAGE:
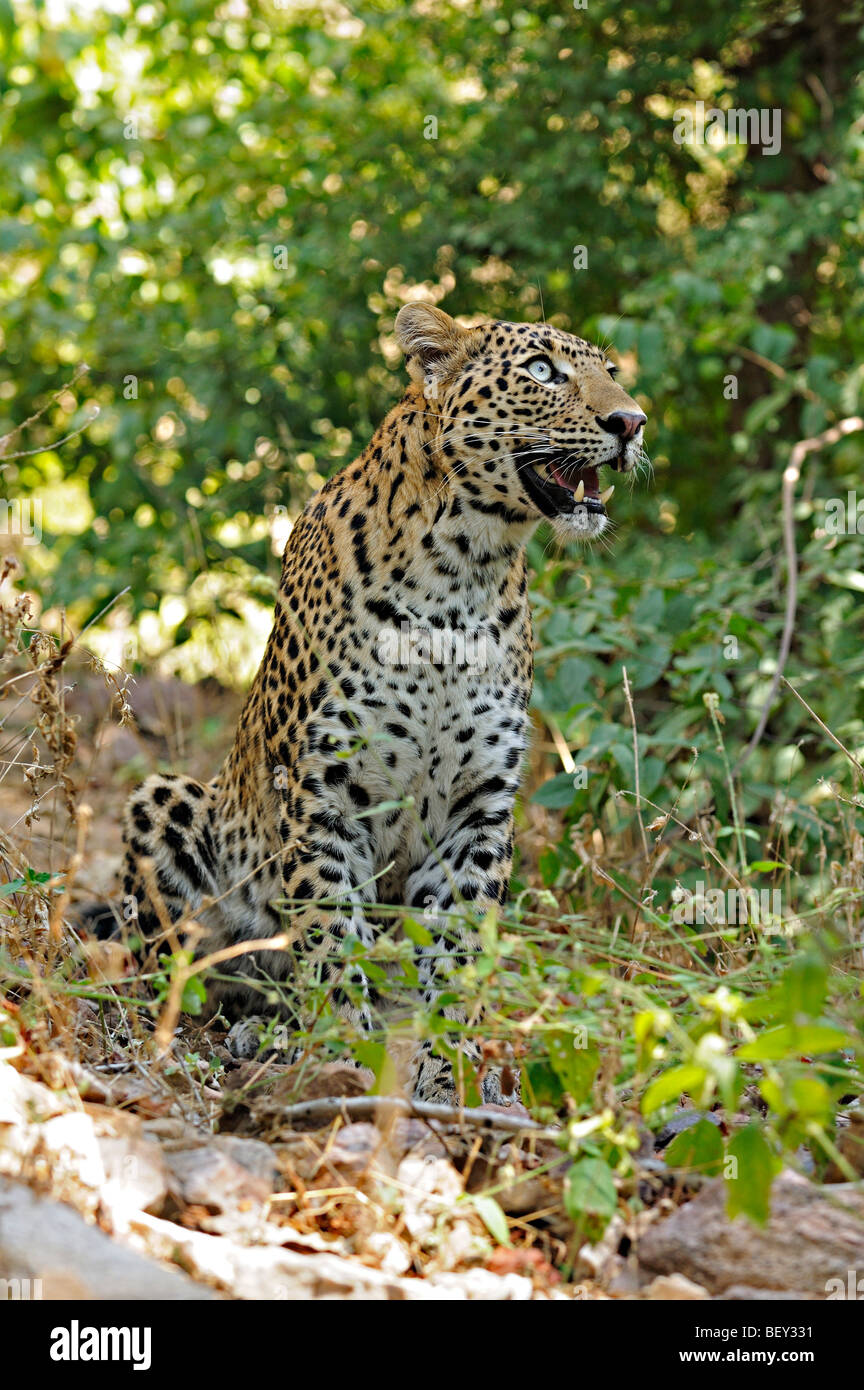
(527, 415)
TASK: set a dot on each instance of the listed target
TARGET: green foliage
(174, 969)
(27, 880)
(697, 1150)
(590, 1196)
(749, 1185)
(621, 1033)
(493, 1218)
(221, 213)
(686, 626)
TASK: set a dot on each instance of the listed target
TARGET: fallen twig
(375, 1107)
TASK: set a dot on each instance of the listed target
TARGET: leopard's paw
(256, 1037)
(244, 1039)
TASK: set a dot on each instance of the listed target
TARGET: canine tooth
(604, 496)
(579, 492)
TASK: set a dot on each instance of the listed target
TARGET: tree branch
(374, 1107)
(791, 474)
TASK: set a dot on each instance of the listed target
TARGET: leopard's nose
(624, 423)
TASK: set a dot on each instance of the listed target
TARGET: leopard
(379, 752)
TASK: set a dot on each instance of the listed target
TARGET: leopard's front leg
(471, 865)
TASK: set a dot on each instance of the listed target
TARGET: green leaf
(570, 685)
(194, 995)
(576, 1065)
(803, 1099)
(765, 407)
(557, 793)
(804, 987)
(750, 1169)
(698, 1149)
(543, 1085)
(801, 991)
(493, 1219)
(671, 1085)
(549, 864)
(811, 1039)
(590, 1198)
(17, 885)
(376, 1057)
(416, 932)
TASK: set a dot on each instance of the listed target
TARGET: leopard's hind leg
(172, 861)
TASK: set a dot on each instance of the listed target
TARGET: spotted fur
(351, 709)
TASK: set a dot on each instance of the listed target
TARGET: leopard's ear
(430, 340)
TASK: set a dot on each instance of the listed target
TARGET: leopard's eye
(611, 369)
(541, 369)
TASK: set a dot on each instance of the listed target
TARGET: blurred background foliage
(220, 209)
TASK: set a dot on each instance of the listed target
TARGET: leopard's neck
(418, 502)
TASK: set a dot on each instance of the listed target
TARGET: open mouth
(566, 486)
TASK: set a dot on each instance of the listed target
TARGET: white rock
(45, 1240)
(675, 1288)
(429, 1188)
(392, 1254)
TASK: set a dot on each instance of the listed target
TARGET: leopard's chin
(580, 524)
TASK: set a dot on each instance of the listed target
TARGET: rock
(521, 1190)
(168, 1129)
(391, 1253)
(256, 1272)
(480, 1284)
(352, 1150)
(142, 1094)
(521, 1259)
(429, 1188)
(68, 1146)
(357, 1148)
(136, 1178)
(461, 1245)
(253, 1155)
(743, 1293)
(208, 1177)
(600, 1261)
(625, 1282)
(91, 1156)
(45, 1140)
(25, 1102)
(407, 1135)
(683, 1120)
(811, 1237)
(804, 1163)
(44, 1240)
(674, 1288)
